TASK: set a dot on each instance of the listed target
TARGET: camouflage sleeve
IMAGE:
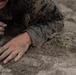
(45, 21)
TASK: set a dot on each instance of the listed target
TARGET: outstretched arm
(45, 20)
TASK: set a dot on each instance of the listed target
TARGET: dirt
(56, 56)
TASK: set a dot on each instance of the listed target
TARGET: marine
(29, 23)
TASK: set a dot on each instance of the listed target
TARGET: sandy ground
(55, 57)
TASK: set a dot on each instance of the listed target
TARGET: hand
(15, 48)
(2, 28)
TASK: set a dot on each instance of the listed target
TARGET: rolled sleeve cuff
(37, 41)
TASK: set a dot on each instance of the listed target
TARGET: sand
(56, 56)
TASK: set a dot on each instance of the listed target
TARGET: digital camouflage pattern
(40, 18)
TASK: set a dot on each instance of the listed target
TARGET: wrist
(27, 37)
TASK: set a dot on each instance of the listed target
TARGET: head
(3, 3)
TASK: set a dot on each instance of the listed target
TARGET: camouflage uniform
(40, 18)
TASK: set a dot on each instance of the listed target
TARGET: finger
(3, 24)
(10, 57)
(19, 56)
(2, 49)
(2, 29)
(1, 33)
(5, 54)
